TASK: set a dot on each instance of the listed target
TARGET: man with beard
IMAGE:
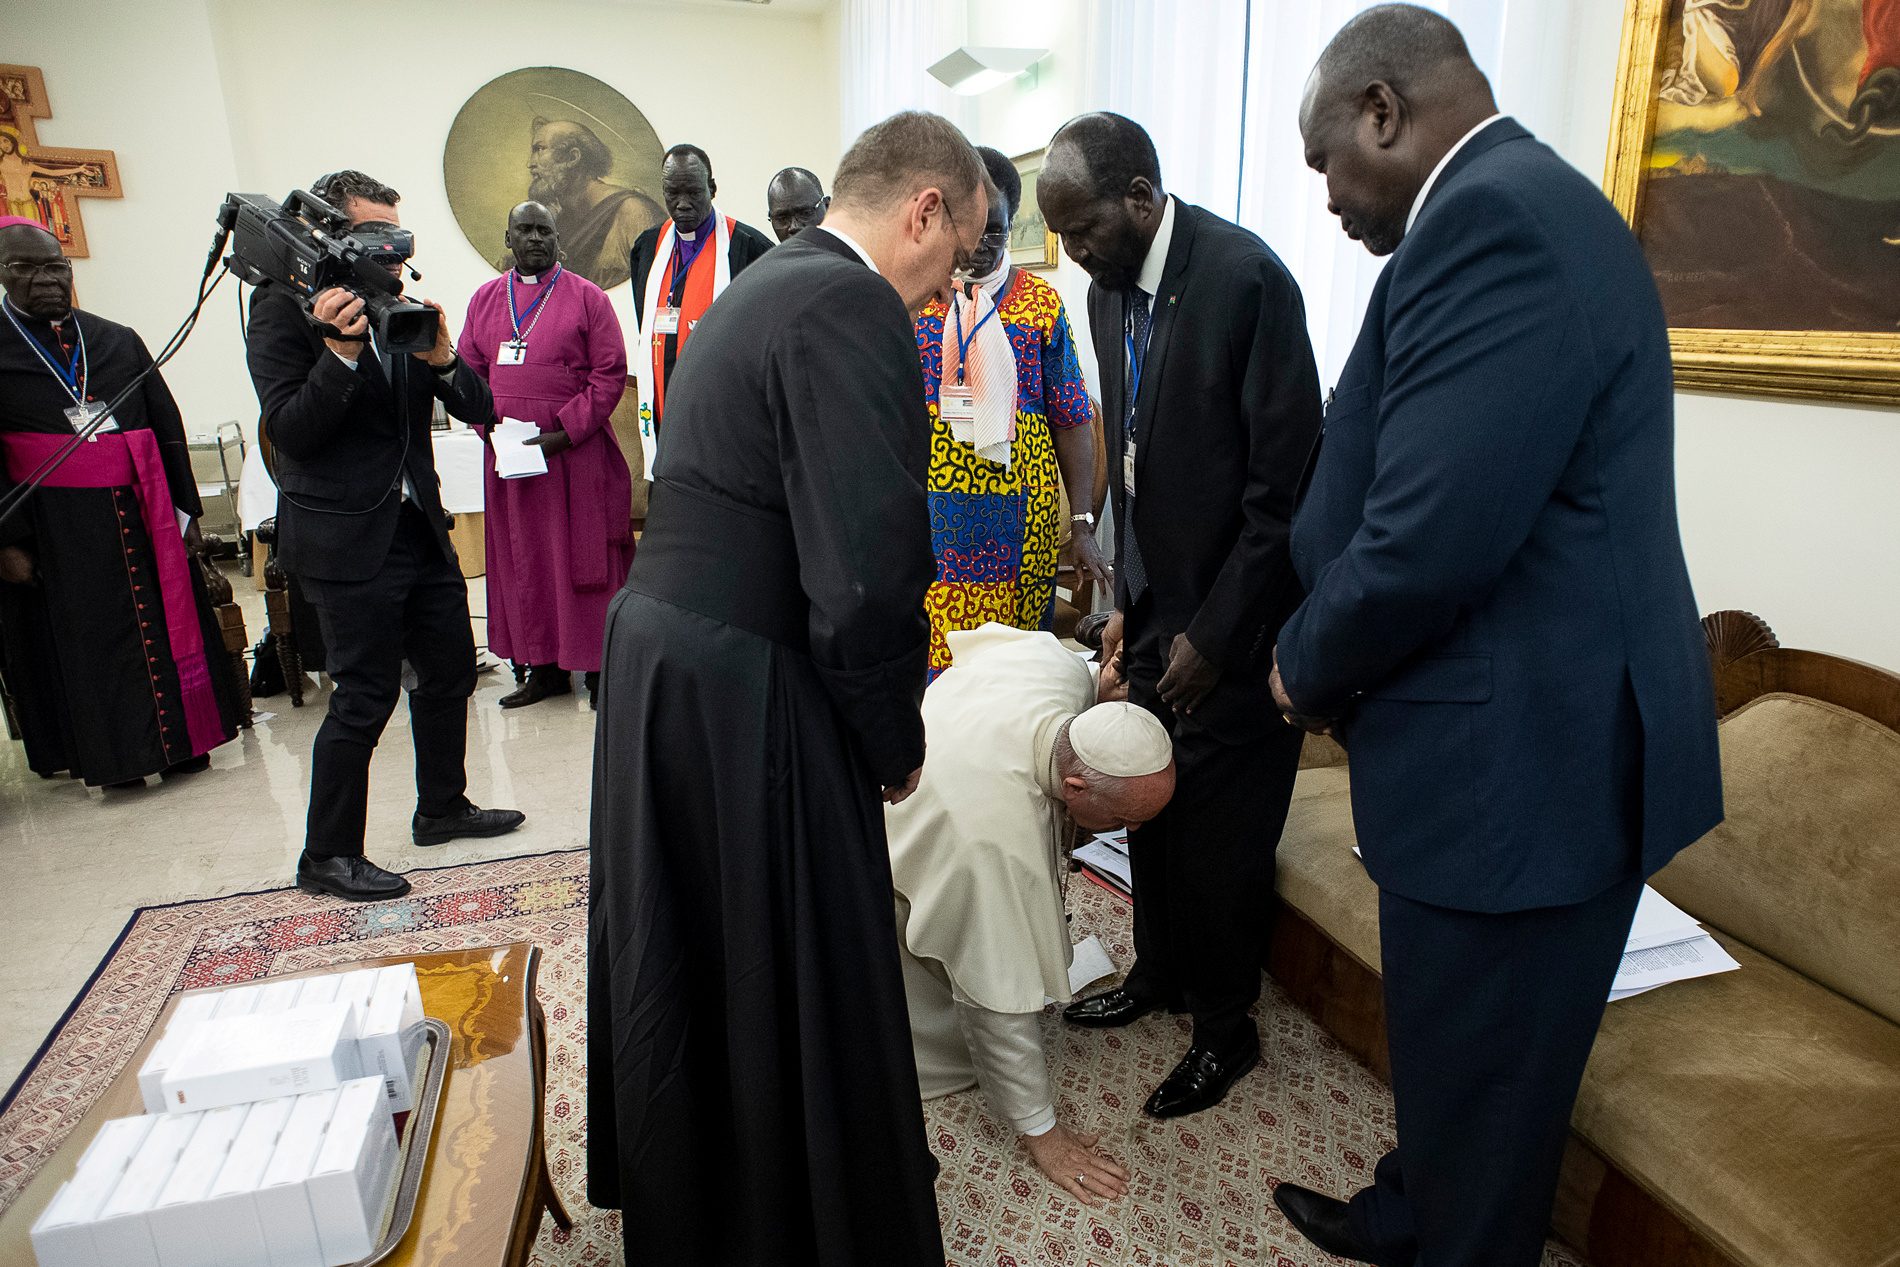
(546, 342)
(114, 657)
(598, 221)
(1212, 402)
(752, 1098)
(1500, 624)
(675, 278)
(795, 200)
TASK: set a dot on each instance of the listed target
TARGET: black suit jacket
(1500, 609)
(337, 441)
(1229, 410)
(748, 244)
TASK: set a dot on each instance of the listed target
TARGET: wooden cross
(45, 183)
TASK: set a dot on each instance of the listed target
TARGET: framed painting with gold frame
(1031, 245)
(1755, 150)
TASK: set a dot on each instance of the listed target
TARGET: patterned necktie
(1134, 572)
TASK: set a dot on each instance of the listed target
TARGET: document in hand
(515, 458)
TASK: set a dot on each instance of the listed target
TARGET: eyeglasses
(795, 215)
(27, 270)
(960, 268)
(994, 241)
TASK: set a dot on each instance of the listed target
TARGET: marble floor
(75, 862)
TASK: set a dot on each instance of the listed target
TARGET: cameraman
(360, 524)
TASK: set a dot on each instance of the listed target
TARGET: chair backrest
(1806, 866)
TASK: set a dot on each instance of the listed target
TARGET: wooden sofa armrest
(1750, 662)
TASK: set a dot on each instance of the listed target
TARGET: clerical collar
(693, 235)
(527, 279)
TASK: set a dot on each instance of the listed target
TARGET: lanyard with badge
(73, 376)
(666, 318)
(515, 351)
(1134, 395)
(956, 402)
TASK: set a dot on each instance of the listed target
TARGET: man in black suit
(1208, 381)
(1500, 624)
(360, 524)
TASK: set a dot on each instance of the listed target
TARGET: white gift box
(122, 1236)
(352, 1180)
(238, 1000)
(393, 1033)
(228, 1231)
(235, 1060)
(63, 1235)
(315, 990)
(191, 1009)
(282, 1204)
(355, 987)
(177, 1218)
(277, 996)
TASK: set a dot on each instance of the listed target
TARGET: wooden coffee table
(487, 1181)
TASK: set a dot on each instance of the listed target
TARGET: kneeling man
(1016, 757)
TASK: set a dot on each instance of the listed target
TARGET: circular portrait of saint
(551, 135)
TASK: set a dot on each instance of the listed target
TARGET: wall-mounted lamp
(972, 70)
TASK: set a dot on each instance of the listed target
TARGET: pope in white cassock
(1017, 756)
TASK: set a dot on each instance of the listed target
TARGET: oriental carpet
(1199, 1195)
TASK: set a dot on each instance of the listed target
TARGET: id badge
(957, 406)
(81, 416)
(1128, 469)
(512, 354)
(666, 321)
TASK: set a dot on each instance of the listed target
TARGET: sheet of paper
(1106, 860)
(1659, 922)
(1091, 964)
(1677, 961)
(515, 458)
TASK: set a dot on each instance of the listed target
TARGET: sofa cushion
(1760, 1107)
(1317, 873)
(1806, 867)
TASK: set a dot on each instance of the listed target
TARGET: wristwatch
(1086, 517)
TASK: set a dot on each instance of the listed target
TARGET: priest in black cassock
(752, 1097)
(114, 661)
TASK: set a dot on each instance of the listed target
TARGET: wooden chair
(1076, 595)
(230, 625)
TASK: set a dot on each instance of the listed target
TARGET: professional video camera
(310, 246)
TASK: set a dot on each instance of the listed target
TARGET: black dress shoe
(591, 680)
(1325, 1221)
(544, 681)
(1107, 1011)
(466, 822)
(197, 765)
(351, 878)
(127, 785)
(1200, 1081)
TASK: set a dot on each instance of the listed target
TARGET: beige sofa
(1750, 1119)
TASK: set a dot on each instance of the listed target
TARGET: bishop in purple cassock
(559, 543)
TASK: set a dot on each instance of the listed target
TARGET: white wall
(199, 97)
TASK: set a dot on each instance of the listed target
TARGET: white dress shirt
(1155, 263)
(851, 242)
(1424, 192)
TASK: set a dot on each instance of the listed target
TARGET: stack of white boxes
(269, 1140)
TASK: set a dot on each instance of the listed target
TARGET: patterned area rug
(1199, 1192)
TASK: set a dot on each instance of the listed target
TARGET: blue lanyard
(76, 370)
(514, 319)
(1134, 364)
(963, 344)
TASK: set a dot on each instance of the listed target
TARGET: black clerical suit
(1502, 621)
(360, 524)
(752, 1095)
(1227, 411)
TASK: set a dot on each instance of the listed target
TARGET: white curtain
(887, 48)
(1217, 83)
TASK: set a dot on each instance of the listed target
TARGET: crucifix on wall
(44, 182)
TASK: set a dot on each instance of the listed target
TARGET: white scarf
(640, 355)
(991, 372)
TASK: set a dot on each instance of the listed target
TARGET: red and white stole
(708, 275)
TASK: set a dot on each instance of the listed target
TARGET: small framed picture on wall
(1031, 245)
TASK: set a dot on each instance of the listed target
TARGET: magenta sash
(114, 460)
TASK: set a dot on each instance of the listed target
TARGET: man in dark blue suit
(1499, 626)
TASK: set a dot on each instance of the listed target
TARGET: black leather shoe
(352, 879)
(544, 681)
(1200, 1081)
(470, 822)
(197, 765)
(1325, 1221)
(1109, 1010)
